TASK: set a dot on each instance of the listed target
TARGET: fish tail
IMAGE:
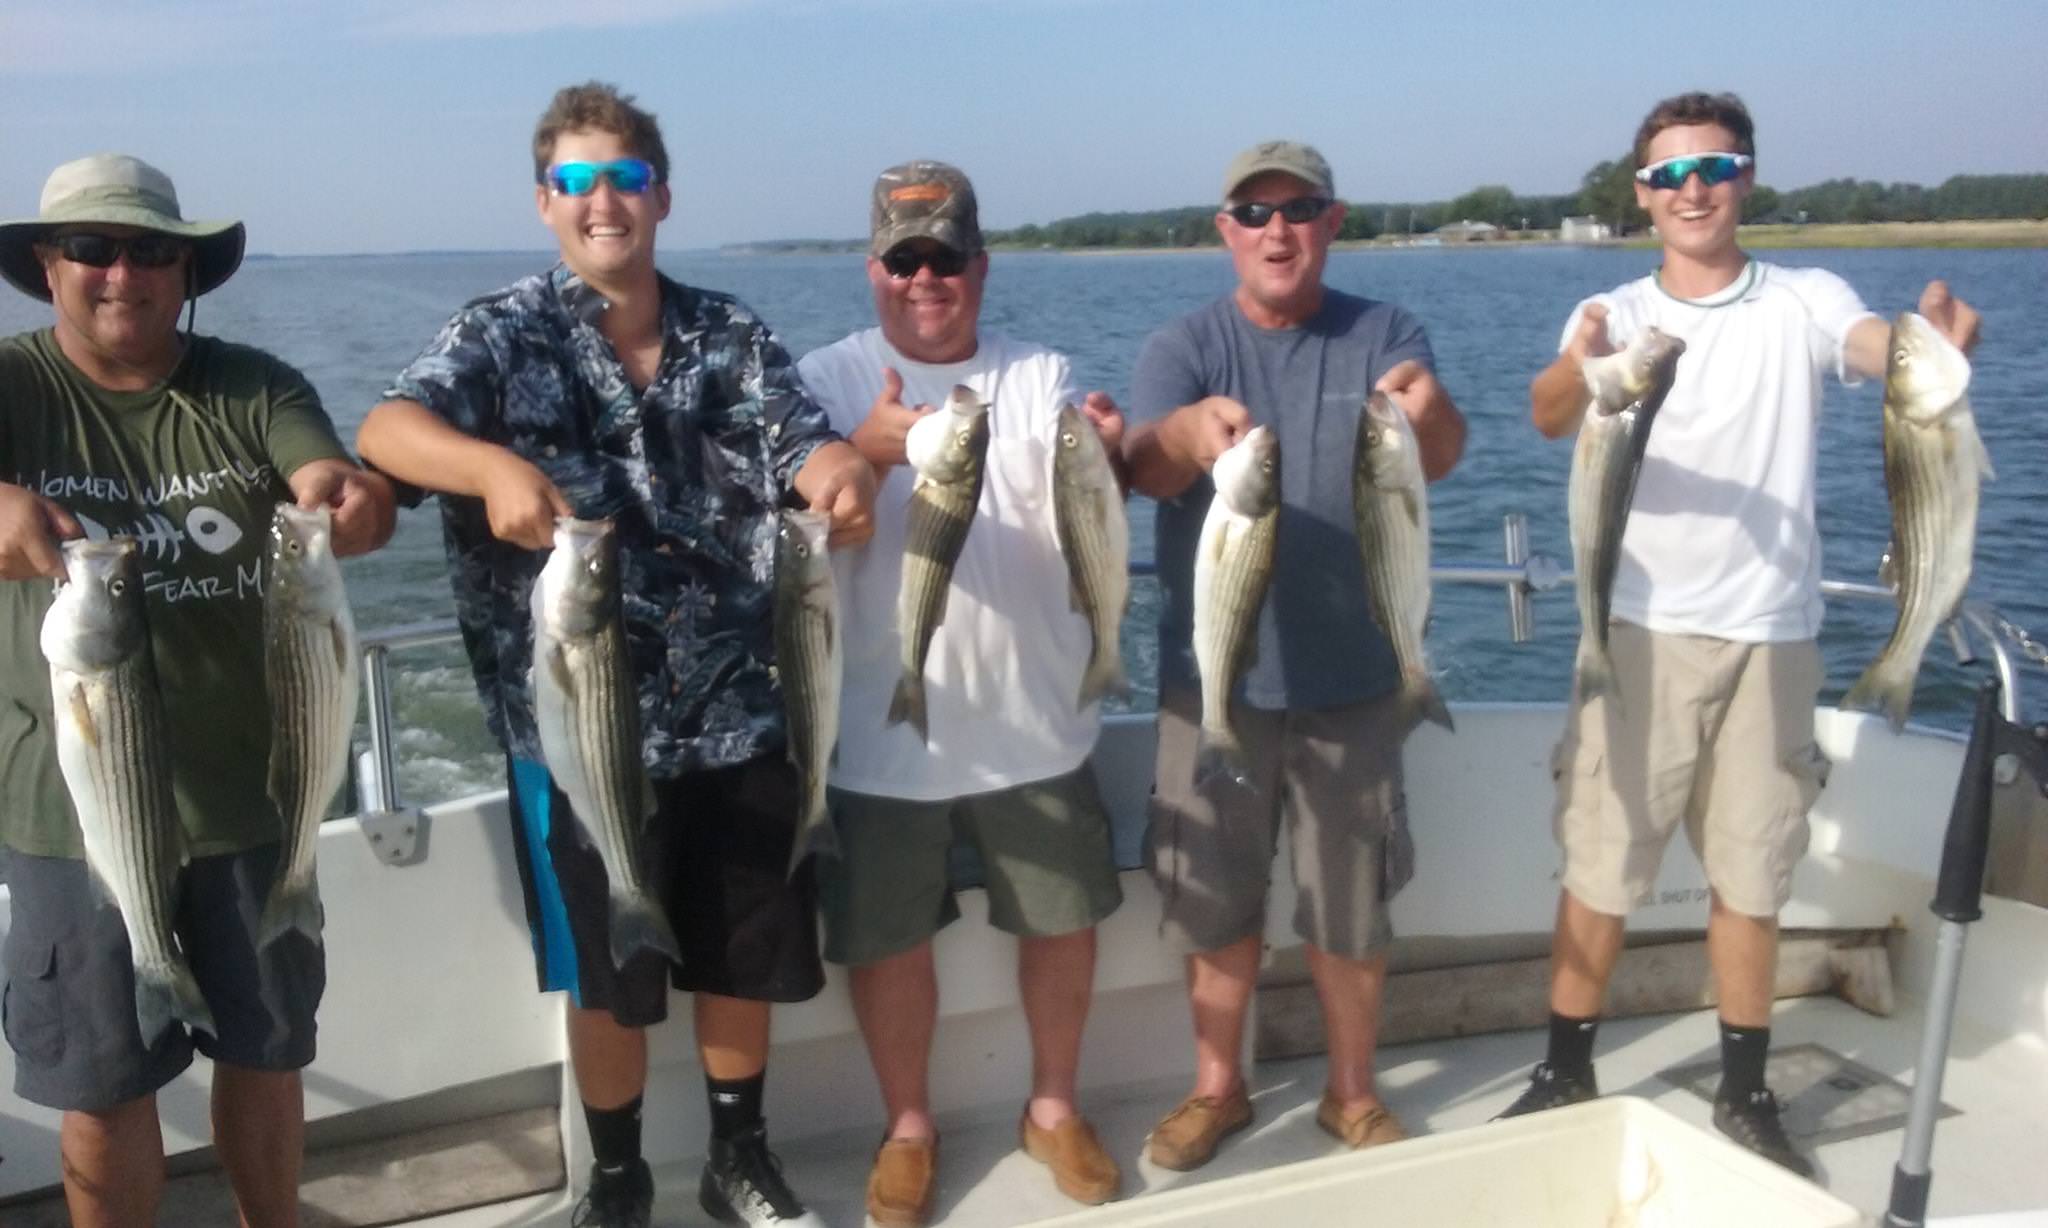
(166, 992)
(1219, 755)
(1426, 702)
(1104, 676)
(1884, 688)
(908, 705)
(291, 906)
(637, 925)
(1593, 673)
(814, 834)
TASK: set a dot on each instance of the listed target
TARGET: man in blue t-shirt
(1320, 713)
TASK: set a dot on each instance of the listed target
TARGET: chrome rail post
(1514, 529)
(377, 778)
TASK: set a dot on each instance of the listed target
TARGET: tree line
(1605, 192)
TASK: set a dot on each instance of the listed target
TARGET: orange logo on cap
(921, 191)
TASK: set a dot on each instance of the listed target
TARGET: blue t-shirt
(1318, 646)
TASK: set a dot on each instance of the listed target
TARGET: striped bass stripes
(1934, 463)
(1626, 389)
(586, 707)
(1390, 507)
(310, 669)
(948, 448)
(1233, 570)
(807, 667)
(114, 753)
(1095, 540)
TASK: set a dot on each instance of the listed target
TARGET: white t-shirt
(1005, 663)
(1721, 539)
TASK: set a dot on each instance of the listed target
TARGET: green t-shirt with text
(190, 469)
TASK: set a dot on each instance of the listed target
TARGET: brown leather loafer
(1080, 1167)
(904, 1182)
(1368, 1127)
(1187, 1137)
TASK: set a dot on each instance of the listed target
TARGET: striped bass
(947, 448)
(1627, 388)
(1391, 507)
(587, 708)
(1233, 569)
(1933, 465)
(310, 669)
(114, 753)
(1088, 514)
(807, 666)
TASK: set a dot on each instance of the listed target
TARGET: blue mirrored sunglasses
(1712, 168)
(631, 176)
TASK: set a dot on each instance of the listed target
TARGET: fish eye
(1068, 439)
(117, 586)
(1900, 355)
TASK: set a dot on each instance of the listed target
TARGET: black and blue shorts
(716, 857)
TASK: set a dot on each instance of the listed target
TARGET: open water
(1493, 315)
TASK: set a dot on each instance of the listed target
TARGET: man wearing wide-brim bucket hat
(120, 426)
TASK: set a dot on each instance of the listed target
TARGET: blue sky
(391, 125)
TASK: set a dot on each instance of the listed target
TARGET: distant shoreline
(1982, 234)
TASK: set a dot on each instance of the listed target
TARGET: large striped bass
(1390, 504)
(1095, 539)
(310, 669)
(807, 667)
(1627, 388)
(587, 709)
(948, 448)
(114, 753)
(1233, 569)
(1933, 463)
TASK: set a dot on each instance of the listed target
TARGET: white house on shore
(1587, 229)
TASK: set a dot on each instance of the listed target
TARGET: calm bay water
(1493, 316)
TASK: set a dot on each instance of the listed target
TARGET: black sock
(735, 1104)
(614, 1134)
(1743, 1051)
(1571, 1044)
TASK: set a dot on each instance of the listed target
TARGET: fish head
(948, 444)
(97, 618)
(1925, 374)
(1078, 456)
(1639, 374)
(305, 575)
(1388, 455)
(802, 558)
(579, 584)
(1247, 474)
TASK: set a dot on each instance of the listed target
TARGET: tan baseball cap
(924, 200)
(1289, 157)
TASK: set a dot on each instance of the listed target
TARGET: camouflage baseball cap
(924, 200)
(1288, 157)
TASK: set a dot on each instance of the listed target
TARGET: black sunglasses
(902, 263)
(1254, 215)
(145, 251)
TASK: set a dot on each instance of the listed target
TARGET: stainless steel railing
(1522, 576)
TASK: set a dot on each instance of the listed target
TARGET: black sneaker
(1753, 1122)
(743, 1184)
(1551, 1088)
(617, 1198)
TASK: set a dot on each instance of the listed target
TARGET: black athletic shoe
(617, 1198)
(743, 1184)
(1551, 1088)
(1753, 1122)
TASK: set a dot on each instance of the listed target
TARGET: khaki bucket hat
(116, 190)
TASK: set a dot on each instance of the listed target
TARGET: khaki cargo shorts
(1331, 777)
(1713, 733)
(1045, 856)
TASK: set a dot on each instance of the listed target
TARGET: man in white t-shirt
(1717, 598)
(1006, 767)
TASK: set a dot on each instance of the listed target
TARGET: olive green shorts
(1044, 850)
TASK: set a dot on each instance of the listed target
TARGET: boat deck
(1986, 1158)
